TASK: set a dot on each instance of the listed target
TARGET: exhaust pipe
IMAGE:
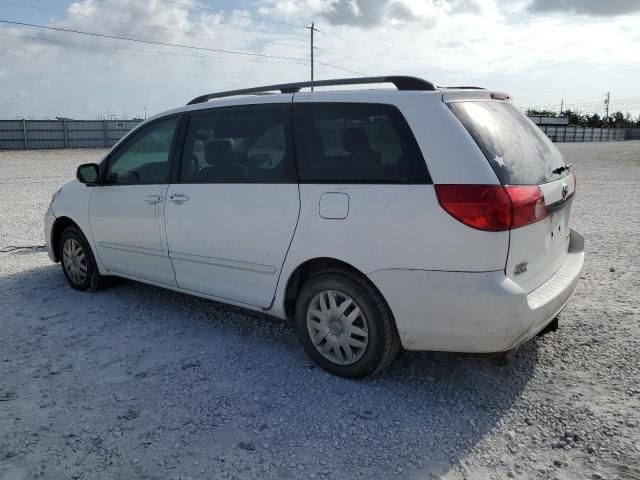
(502, 359)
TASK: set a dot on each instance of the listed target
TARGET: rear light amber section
(493, 208)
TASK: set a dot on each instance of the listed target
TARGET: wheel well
(59, 226)
(310, 268)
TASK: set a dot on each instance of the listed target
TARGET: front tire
(77, 261)
(344, 324)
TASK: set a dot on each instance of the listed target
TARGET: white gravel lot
(135, 382)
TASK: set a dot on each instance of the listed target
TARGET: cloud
(48, 73)
(87, 76)
(587, 7)
(354, 12)
(367, 13)
(474, 6)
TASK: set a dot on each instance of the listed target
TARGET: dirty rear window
(518, 151)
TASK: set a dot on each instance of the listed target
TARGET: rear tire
(345, 325)
(77, 261)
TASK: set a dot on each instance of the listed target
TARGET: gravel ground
(138, 382)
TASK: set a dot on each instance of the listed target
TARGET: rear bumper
(475, 312)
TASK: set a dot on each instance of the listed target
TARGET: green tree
(594, 121)
(532, 112)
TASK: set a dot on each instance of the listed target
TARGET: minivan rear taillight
(493, 208)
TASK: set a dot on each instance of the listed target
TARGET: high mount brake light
(499, 96)
(493, 208)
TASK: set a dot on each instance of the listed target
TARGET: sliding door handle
(178, 198)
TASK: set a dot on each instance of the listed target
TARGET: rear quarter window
(517, 150)
(356, 143)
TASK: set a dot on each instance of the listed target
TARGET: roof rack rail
(401, 83)
(465, 87)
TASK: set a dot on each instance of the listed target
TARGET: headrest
(218, 152)
(355, 140)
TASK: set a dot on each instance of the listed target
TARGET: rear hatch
(521, 155)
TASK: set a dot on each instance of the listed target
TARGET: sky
(542, 52)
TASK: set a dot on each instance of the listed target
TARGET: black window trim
(289, 136)
(177, 148)
(426, 181)
(131, 136)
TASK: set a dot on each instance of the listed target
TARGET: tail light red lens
(493, 208)
(485, 207)
(528, 204)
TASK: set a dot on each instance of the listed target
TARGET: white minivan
(418, 217)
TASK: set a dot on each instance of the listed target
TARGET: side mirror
(88, 174)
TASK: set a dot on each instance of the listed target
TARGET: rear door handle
(178, 198)
(153, 199)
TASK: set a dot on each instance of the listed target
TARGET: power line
(144, 25)
(153, 52)
(601, 102)
(176, 54)
(341, 68)
(243, 15)
(151, 42)
(415, 62)
(383, 52)
(92, 45)
(596, 105)
(347, 57)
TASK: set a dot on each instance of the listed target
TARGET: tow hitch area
(552, 327)
(502, 359)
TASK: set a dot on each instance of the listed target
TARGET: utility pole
(606, 102)
(312, 29)
(561, 106)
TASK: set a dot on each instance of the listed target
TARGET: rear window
(518, 151)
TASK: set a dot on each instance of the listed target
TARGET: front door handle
(178, 198)
(153, 199)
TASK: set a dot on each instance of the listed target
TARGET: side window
(144, 158)
(356, 142)
(245, 144)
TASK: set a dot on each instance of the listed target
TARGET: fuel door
(334, 205)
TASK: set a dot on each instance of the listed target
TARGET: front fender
(72, 203)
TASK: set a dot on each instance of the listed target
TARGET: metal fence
(34, 134)
(632, 134)
(570, 133)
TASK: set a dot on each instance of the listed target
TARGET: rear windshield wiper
(561, 169)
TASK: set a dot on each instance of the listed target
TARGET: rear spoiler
(473, 94)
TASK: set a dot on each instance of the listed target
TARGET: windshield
(518, 151)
